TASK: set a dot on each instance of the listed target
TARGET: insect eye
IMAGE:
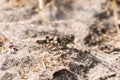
(73, 37)
(47, 37)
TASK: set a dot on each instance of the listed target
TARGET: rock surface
(89, 56)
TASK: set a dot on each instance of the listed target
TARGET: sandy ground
(68, 40)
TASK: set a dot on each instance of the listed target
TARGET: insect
(57, 41)
(14, 4)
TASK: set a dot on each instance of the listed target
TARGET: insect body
(57, 41)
